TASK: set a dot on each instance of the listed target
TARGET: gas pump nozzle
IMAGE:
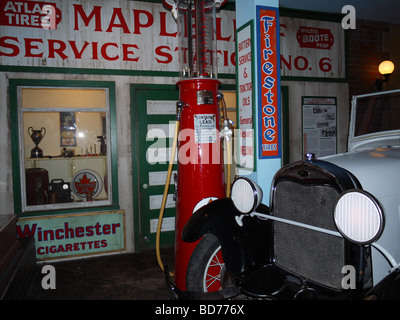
(179, 107)
(226, 131)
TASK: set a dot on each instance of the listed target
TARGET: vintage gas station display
(331, 229)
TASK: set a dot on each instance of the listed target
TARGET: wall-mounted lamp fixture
(385, 68)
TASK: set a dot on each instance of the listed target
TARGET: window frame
(17, 140)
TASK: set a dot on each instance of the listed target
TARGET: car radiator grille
(311, 254)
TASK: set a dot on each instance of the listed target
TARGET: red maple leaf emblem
(85, 185)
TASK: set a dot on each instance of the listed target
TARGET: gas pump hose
(228, 179)
(165, 195)
(226, 133)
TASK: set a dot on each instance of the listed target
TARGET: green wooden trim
(14, 127)
(114, 142)
(62, 70)
(139, 94)
(228, 87)
(135, 167)
(16, 174)
(108, 72)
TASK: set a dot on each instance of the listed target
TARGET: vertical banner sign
(245, 98)
(269, 86)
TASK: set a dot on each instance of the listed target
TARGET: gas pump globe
(197, 40)
(200, 176)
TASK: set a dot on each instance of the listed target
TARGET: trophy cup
(36, 136)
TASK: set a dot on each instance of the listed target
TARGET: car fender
(388, 288)
(208, 219)
(243, 245)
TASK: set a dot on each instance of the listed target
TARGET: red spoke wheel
(206, 269)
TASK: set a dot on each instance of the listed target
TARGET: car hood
(377, 169)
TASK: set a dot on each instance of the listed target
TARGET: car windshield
(376, 113)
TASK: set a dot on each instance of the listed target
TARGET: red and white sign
(312, 48)
(268, 34)
(124, 35)
(32, 14)
(87, 184)
(100, 34)
(315, 38)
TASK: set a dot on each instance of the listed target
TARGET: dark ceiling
(382, 10)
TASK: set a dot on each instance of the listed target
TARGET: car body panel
(378, 171)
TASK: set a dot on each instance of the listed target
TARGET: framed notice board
(245, 96)
(319, 125)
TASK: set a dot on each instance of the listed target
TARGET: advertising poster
(103, 34)
(312, 48)
(269, 76)
(245, 96)
(72, 235)
(319, 125)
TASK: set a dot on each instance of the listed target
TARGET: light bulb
(386, 67)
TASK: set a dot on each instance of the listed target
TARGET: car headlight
(246, 195)
(359, 217)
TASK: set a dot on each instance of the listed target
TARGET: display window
(65, 155)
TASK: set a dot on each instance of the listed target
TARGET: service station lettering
(134, 23)
(134, 35)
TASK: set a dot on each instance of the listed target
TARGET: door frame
(137, 92)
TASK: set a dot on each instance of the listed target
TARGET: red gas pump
(200, 157)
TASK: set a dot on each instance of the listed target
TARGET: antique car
(331, 229)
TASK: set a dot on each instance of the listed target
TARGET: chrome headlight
(246, 195)
(359, 217)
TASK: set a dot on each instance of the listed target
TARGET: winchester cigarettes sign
(66, 236)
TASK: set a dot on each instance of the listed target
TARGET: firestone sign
(269, 94)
